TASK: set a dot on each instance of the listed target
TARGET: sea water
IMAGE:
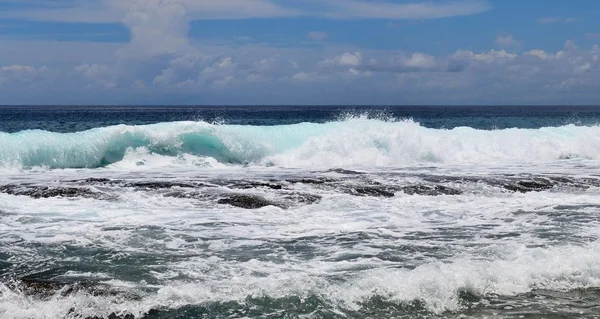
(299, 212)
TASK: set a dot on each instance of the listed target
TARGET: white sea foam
(351, 142)
(438, 285)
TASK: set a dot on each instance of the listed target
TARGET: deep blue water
(79, 118)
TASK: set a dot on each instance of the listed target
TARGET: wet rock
(49, 192)
(249, 185)
(371, 191)
(72, 313)
(529, 186)
(247, 201)
(319, 181)
(591, 182)
(47, 288)
(302, 198)
(427, 190)
(469, 296)
(92, 181)
(188, 195)
(161, 185)
(111, 316)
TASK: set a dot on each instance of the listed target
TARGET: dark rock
(529, 186)
(92, 181)
(469, 296)
(188, 195)
(591, 182)
(310, 181)
(246, 201)
(302, 198)
(249, 185)
(47, 288)
(48, 192)
(427, 190)
(371, 191)
(73, 313)
(161, 185)
(114, 316)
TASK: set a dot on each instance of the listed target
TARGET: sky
(286, 52)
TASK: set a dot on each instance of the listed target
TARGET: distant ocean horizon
(299, 211)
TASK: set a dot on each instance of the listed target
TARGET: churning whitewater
(352, 142)
(319, 217)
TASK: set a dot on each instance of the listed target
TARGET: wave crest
(354, 141)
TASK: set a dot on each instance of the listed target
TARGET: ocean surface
(299, 212)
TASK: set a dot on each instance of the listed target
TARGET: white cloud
(317, 35)
(420, 61)
(165, 78)
(540, 54)
(488, 57)
(506, 41)
(19, 72)
(585, 67)
(157, 27)
(93, 71)
(346, 59)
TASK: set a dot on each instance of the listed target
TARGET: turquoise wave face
(352, 142)
(229, 144)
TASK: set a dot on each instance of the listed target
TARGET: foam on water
(355, 141)
(437, 285)
(176, 244)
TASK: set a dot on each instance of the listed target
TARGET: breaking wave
(357, 141)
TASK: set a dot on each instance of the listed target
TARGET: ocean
(299, 212)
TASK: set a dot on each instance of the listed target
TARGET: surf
(354, 141)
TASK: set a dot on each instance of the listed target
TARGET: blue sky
(299, 52)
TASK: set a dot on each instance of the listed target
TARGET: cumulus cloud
(157, 27)
(487, 57)
(465, 75)
(346, 59)
(161, 58)
(506, 41)
(420, 61)
(93, 71)
(19, 72)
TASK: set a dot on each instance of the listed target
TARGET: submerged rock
(161, 185)
(247, 201)
(318, 181)
(249, 185)
(529, 186)
(111, 316)
(371, 191)
(47, 288)
(427, 190)
(303, 198)
(49, 192)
